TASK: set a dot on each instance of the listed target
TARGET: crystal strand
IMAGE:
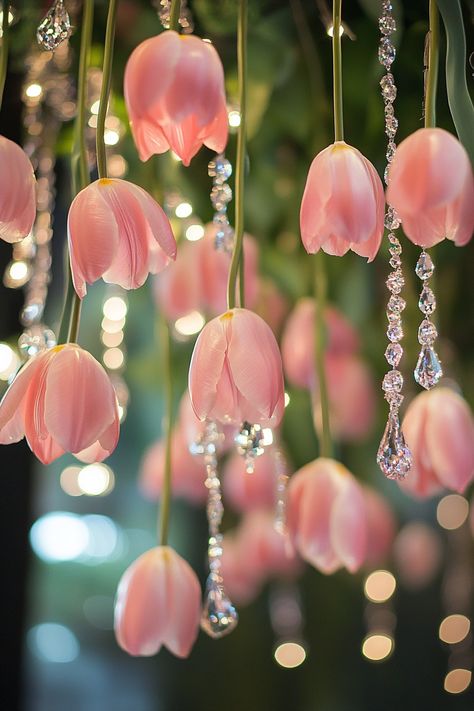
(163, 8)
(219, 616)
(220, 170)
(281, 484)
(250, 444)
(393, 456)
(428, 368)
(55, 27)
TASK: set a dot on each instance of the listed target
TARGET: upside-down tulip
(175, 96)
(343, 204)
(118, 232)
(327, 517)
(245, 491)
(158, 604)
(62, 400)
(431, 187)
(235, 373)
(17, 192)
(439, 430)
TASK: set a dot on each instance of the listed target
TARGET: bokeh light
(194, 232)
(377, 647)
(59, 536)
(454, 629)
(9, 361)
(290, 655)
(95, 480)
(183, 209)
(457, 680)
(115, 308)
(53, 643)
(379, 586)
(452, 511)
(190, 324)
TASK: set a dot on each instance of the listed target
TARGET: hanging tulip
(17, 192)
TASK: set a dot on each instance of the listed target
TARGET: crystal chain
(428, 369)
(220, 170)
(393, 456)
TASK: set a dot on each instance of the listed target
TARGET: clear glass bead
(389, 89)
(393, 354)
(55, 27)
(387, 52)
(427, 333)
(219, 616)
(395, 332)
(220, 167)
(395, 281)
(393, 456)
(391, 148)
(36, 339)
(427, 301)
(387, 24)
(396, 303)
(424, 267)
(428, 368)
(221, 194)
(393, 381)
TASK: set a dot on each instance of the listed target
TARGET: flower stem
(320, 291)
(432, 70)
(80, 147)
(337, 71)
(240, 159)
(165, 342)
(75, 319)
(4, 48)
(105, 88)
(175, 12)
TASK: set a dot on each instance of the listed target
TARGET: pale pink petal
(13, 402)
(206, 366)
(381, 527)
(17, 192)
(421, 480)
(184, 606)
(217, 133)
(149, 138)
(349, 523)
(161, 241)
(104, 446)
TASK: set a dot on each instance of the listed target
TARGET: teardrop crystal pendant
(393, 456)
(428, 368)
(55, 27)
(219, 616)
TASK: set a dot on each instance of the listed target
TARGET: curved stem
(75, 319)
(105, 88)
(337, 71)
(80, 124)
(167, 420)
(433, 63)
(175, 12)
(240, 159)
(320, 291)
(4, 48)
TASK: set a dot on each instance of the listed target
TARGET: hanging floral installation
(228, 442)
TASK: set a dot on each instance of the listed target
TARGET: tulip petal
(17, 192)
(349, 524)
(183, 607)
(12, 406)
(206, 366)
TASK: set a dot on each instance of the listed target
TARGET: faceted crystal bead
(391, 125)
(393, 381)
(395, 332)
(219, 167)
(427, 301)
(221, 194)
(389, 90)
(249, 444)
(392, 221)
(393, 353)
(386, 173)
(389, 110)
(395, 281)
(31, 312)
(224, 238)
(395, 261)
(386, 52)
(428, 368)
(393, 239)
(219, 616)
(391, 148)
(424, 267)
(35, 339)
(394, 399)
(395, 249)
(427, 333)
(55, 27)
(387, 24)
(393, 456)
(396, 303)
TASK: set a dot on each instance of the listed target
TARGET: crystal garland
(219, 616)
(220, 170)
(163, 8)
(281, 484)
(428, 369)
(393, 456)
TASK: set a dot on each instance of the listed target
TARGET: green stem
(320, 309)
(433, 62)
(67, 305)
(167, 431)
(175, 12)
(240, 158)
(105, 89)
(337, 71)
(4, 49)
(75, 319)
(80, 123)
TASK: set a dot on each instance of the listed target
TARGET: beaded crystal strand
(393, 456)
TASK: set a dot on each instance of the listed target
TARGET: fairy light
(96, 480)
(234, 118)
(290, 655)
(68, 481)
(112, 340)
(454, 629)
(379, 586)
(194, 232)
(457, 680)
(117, 166)
(190, 324)
(34, 91)
(183, 209)
(113, 358)
(115, 308)
(18, 272)
(9, 361)
(111, 326)
(95, 107)
(452, 511)
(111, 137)
(377, 647)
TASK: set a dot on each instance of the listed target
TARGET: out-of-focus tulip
(381, 527)
(271, 305)
(343, 203)
(118, 232)
(297, 346)
(431, 186)
(327, 517)
(158, 604)
(187, 471)
(242, 584)
(417, 551)
(439, 430)
(245, 491)
(17, 192)
(235, 373)
(175, 97)
(178, 290)
(62, 400)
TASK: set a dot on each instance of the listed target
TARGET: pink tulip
(297, 346)
(193, 429)
(187, 471)
(241, 583)
(118, 232)
(62, 400)
(178, 290)
(431, 186)
(244, 491)
(158, 603)
(381, 527)
(17, 192)
(235, 373)
(327, 516)
(418, 552)
(272, 305)
(175, 97)
(343, 204)
(439, 429)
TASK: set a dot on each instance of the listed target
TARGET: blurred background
(356, 643)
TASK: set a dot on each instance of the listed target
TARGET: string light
(290, 655)
(194, 232)
(68, 481)
(183, 209)
(377, 647)
(234, 119)
(115, 308)
(113, 358)
(34, 91)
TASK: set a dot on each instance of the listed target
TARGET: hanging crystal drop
(427, 333)
(219, 616)
(393, 456)
(424, 267)
(55, 27)
(249, 441)
(427, 301)
(428, 368)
